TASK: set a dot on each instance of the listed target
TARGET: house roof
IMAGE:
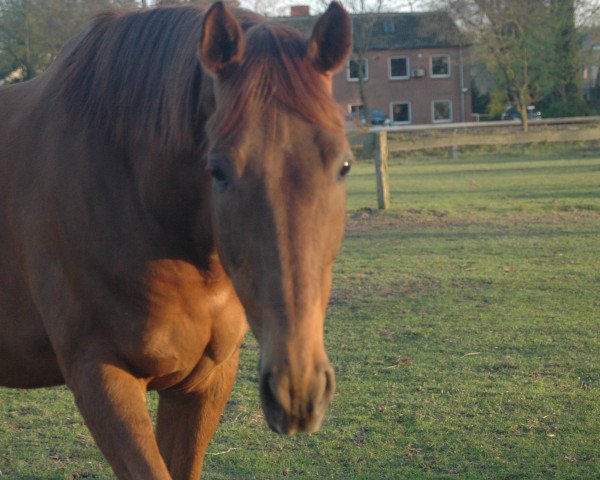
(395, 30)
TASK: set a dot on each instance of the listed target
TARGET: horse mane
(136, 77)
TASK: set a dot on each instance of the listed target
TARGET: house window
(352, 70)
(357, 113)
(440, 66)
(401, 112)
(441, 111)
(399, 68)
(389, 26)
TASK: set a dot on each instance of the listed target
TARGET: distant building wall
(419, 92)
(420, 96)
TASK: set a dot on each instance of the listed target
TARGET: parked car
(378, 117)
(511, 113)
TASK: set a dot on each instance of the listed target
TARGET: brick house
(415, 67)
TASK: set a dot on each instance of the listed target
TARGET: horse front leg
(113, 405)
(187, 421)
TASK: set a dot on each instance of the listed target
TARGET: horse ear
(222, 41)
(331, 39)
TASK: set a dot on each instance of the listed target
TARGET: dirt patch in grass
(368, 219)
(362, 289)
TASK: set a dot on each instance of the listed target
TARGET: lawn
(464, 327)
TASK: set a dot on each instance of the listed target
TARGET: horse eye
(219, 176)
(346, 166)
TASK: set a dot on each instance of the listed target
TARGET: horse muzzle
(296, 403)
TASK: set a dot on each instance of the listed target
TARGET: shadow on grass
(23, 476)
(72, 476)
(515, 193)
(476, 235)
(547, 170)
(504, 155)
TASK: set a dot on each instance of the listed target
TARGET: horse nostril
(266, 391)
(273, 411)
(329, 384)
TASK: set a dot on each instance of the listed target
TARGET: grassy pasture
(464, 328)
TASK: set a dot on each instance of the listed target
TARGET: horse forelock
(275, 73)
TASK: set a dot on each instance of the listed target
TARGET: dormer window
(389, 26)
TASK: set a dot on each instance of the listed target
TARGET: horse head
(278, 157)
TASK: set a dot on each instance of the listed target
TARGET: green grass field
(464, 328)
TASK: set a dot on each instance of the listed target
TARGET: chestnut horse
(152, 202)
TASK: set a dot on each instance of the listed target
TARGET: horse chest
(194, 323)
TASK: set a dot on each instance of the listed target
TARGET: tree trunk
(524, 117)
(28, 63)
(362, 91)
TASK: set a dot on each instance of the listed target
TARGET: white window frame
(450, 110)
(405, 77)
(350, 79)
(444, 75)
(359, 106)
(394, 122)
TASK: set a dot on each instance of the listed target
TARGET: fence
(383, 141)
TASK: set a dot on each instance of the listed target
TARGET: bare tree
(587, 12)
(270, 8)
(508, 36)
(198, 3)
(366, 15)
(533, 45)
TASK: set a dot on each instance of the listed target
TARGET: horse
(174, 176)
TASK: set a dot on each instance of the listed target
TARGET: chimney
(300, 10)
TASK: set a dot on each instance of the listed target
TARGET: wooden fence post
(381, 170)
